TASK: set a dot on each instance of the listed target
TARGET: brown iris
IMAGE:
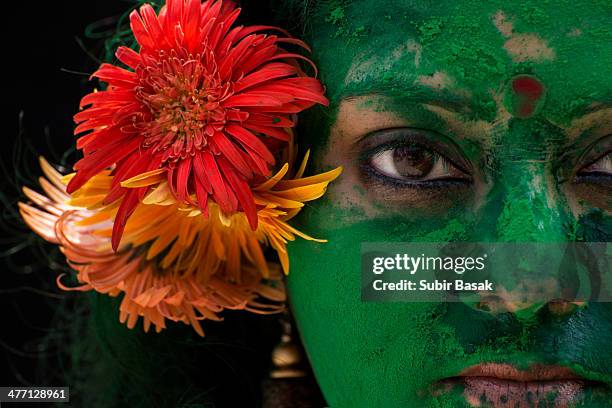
(413, 161)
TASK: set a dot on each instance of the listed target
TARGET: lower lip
(495, 392)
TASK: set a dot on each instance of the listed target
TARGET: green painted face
(454, 121)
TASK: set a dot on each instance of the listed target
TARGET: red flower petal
(106, 98)
(269, 120)
(127, 207)
(271, 71)
(139, 30)
(250, 142)
(267, 50)
(131, 167)
(279, 134)
(192, 18)
(99, 161)
(182, 178)
(253, 99)
(116, 76)
(174, 10)
(202, 197)
(233, 57)
(128, 56)
(243, 192)
(218, 185)
(299, 88)
(229, 150)
(200, 172)
(152, 26)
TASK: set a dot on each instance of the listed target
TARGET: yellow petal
(303, 193)
(279, 201)
(327, 177)
(300, 172)
(145, 179)
(161, 195)
(87, 201)
(300, 233)
(271, 182)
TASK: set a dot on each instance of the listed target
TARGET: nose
(525, 205)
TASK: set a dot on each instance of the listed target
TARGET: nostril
(562, 307)
(494, 304)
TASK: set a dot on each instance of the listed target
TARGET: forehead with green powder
(471, 47)
(464, 54)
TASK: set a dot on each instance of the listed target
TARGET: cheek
(595, 225)
(360, 352)
(348, 194)
(584, 197)
(363, 351)
(336, 220)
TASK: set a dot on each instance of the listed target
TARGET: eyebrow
(596, 107)
(413, 92)
(581, 123)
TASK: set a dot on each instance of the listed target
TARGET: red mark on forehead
(527, 94)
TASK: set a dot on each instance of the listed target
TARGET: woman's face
(455, 121)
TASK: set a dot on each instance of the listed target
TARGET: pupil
(413, 161)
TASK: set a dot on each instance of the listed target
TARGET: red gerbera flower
(204, 104)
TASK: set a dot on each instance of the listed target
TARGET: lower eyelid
(594, 178)
(423, 184)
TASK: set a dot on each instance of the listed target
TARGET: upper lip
(536, 372)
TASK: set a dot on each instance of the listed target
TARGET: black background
(46, 59)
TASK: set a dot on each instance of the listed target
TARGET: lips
(501, 385)
(536, 372)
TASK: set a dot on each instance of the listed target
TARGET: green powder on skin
(513, 227)
(337, 16)
(453, 231)
(595, 226)
(345, 29)
(431, 28)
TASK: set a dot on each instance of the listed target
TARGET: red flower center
(184, 101)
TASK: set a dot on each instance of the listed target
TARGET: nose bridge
(532, 210)
(525, 198)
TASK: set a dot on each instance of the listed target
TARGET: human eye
(409, 158)
(599, 170)
(595, 167)
(408, 166)
(591, 177)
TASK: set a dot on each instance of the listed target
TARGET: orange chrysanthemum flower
(174, 262)
(203, 104)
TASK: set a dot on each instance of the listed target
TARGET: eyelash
(594, 177)
(396, 183)
(424, 185)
